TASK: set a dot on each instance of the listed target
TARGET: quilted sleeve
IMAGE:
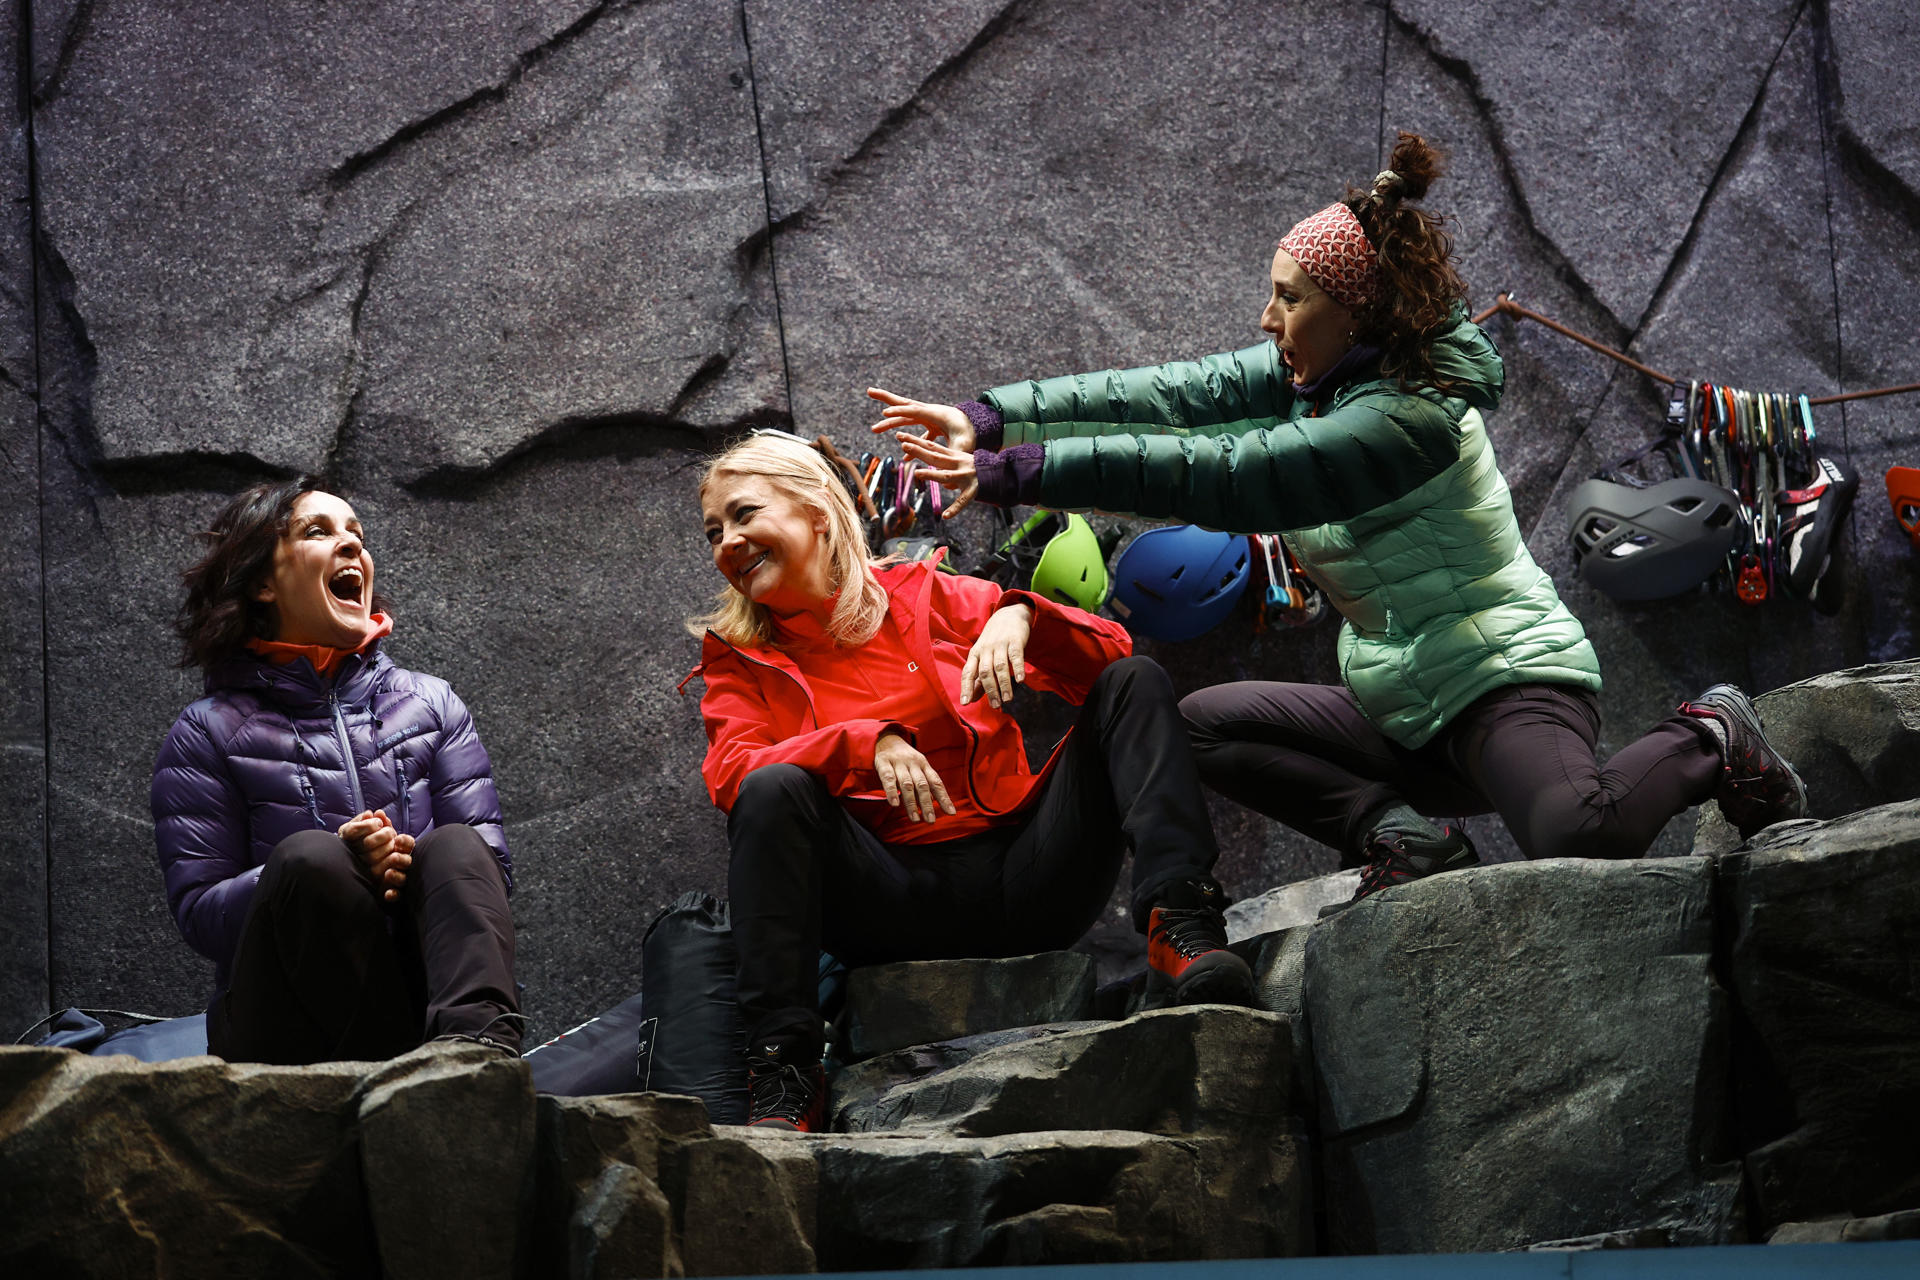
(460, 779)
(1294, 475)
(1226, 394)
(200, 826)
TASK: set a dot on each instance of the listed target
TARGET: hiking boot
(1187, 957)
(785, 1095)
(1395, 856)
(1757, 786)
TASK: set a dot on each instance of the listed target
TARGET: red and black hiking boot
(1187, 957)
(1757, 786)
(1396, 856)
(785, 1095)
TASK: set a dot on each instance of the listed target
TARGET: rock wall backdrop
(505, 272)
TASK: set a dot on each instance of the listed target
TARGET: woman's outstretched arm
(1226, 394)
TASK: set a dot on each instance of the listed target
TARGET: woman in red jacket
(878, 796)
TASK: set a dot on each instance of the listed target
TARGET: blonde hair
(797, 471)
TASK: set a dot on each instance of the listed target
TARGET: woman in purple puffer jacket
(327, 822)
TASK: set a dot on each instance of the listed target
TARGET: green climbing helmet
(1071, 568)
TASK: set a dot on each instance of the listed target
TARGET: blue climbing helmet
(1179, 582)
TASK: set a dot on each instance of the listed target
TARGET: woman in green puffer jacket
(1467, 686)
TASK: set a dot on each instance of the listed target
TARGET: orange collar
(325, 658)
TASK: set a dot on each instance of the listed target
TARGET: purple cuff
(1011, 477)
(988, 426)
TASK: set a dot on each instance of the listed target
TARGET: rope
(1506, 306)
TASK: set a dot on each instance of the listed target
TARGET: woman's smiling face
(771, 548)
(321, 587)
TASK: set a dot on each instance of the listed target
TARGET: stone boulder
(641, 1185)
(1279, 964)
(893, 1200)
(1854, 737)
(1523, 1052)
(109, 1166)
(446, 1146)
(1824, 920)
(890, 1006)
(1904, 1225)
(1199, 1069)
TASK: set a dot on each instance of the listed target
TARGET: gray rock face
(1823, 917)
(893, 1005)
(1904, 1225)
(1201, 1069)
(190, 1168)
(446, 1143)
(601, 1211)
(1084, 1196)
(1874, 71)
(23, 745)
(1558, 1017)
(444, 234)
(1544, 95)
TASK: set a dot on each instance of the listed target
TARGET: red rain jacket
(759, 709)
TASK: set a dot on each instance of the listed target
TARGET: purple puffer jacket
(266, 754)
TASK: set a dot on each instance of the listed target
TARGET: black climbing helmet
(1647, 543)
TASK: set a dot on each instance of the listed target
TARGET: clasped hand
(387, 854)
(950, 464)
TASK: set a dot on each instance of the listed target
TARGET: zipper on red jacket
(813, 712)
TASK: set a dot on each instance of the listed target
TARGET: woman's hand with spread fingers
(938, 419)
(909, 779)
(998, 660)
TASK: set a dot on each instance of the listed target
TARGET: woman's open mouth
(348, 586)
(745, 571)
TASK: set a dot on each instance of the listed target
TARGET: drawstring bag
(691, 1040)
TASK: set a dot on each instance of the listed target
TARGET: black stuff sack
(598, 1056)
(691, 1040)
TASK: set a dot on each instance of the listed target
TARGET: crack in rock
(353, 166)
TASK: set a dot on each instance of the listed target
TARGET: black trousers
(321, 975)
(1305, 755)
(805, 875)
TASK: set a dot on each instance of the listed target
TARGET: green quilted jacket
(1390, 499)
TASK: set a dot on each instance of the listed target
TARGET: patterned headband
(1335, 253)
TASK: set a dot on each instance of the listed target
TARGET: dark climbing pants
(805, 876)
(325, 971)
(1305, 755)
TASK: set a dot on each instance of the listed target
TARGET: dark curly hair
(1419, 286)
(220, 614)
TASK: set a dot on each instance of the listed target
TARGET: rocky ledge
(1700, 1050)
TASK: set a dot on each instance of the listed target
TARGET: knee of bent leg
(314, 865)
(1136, 668)
(774, 785)
(1569, 839)
(453, 851)
(1201, 713)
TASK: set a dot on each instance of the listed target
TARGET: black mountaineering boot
(785, 1095)
(1187, 957)
(1757, 786)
